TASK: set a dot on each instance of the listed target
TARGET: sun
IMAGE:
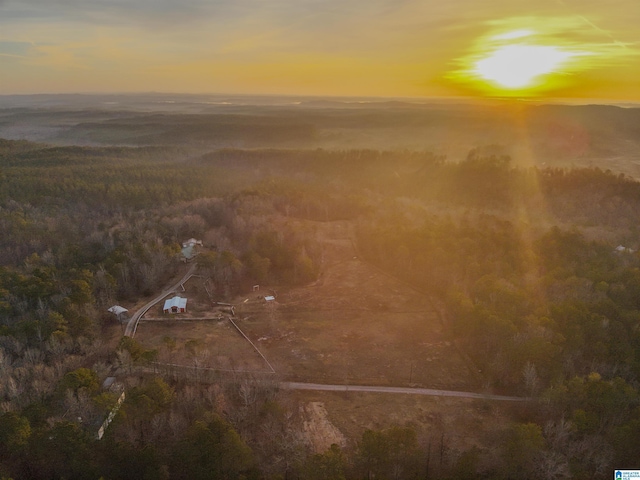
(527, 57)
(520, 66)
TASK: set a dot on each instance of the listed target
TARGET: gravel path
(411, 391)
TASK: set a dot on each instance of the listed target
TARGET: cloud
(14, 49)
(323, 13)
(115, 11)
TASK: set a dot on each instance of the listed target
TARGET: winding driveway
(132, 325)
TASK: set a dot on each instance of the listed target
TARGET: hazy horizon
(266, 99)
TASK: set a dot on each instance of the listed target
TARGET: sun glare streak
(513, 35)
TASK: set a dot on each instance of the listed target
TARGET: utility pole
(121, 319)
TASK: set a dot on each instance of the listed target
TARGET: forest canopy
(535, 272)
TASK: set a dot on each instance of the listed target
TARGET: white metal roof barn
(175, 305)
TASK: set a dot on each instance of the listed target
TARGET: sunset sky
(584, 49)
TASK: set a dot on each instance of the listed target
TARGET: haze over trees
(522, 264)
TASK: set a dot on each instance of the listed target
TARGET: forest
(534, 270)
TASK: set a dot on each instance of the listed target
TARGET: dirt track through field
(398, 390)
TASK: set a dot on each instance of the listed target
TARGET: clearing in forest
(203, 337)
(354, 325)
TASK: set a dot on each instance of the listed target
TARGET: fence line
(180, 319)
(273, 370)
(209, 369)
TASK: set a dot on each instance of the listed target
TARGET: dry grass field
(203, 335)
(354, 325)
(209, 344)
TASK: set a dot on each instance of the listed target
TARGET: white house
(189, 249)
(191, 242)
(175, 305)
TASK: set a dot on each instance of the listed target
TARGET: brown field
(215, 343)
(218, 345)
(354, 325)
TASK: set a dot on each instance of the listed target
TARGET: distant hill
(603, 136)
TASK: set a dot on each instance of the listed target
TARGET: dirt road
(413, 391)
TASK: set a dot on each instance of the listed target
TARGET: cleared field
(354, 325)
(207, 344)
(202, 337)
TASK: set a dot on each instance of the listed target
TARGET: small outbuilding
(117, 310)
(175, 305)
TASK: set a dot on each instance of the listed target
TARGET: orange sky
(321, 47)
